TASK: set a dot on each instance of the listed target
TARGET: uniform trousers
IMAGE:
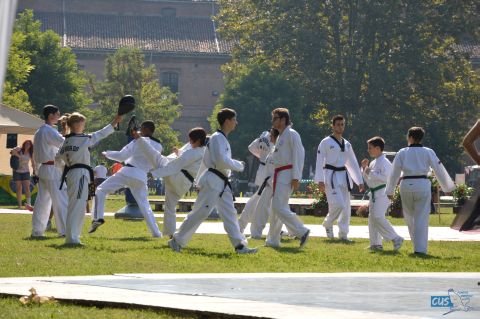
(281, 214)
(209, 198)
(378, 225)
(170, 214)
(77, 188)
(139, 191)
(416, 196)
(338, 208)
(49, 196)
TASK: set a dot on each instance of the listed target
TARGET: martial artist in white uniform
(46, 142)
(414, 162)
(288, 157)
(375, 175)
(260, 148)
(336, 166)
(133, 175)
(75, 155)
(178, 173)
(215, 189)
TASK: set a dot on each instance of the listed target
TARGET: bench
(297, 205)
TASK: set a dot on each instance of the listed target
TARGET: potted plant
(395, 209)
(320, 204)
(461, 194)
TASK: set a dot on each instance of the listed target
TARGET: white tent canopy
(13, 121)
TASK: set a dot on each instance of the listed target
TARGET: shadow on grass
(288, 250)
(201, 252)
(39, 238)
(339, 241)
(140, 238)
(67, 246)
(423, 256)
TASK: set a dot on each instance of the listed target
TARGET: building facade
(178, 37)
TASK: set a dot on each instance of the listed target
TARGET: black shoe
(95, 225)
(304, 238)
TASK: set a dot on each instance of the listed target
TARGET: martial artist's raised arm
(352, 166)
(321, 158)
(173, 167)
(298, 157)
(122, 155)
(441, 173)
(95, 137)
(395, 174)
(219, 155)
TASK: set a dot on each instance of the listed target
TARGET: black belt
(225, 181)
(129, 165)
(338, 169)
(415, 177)
(264, 184)
(187, 175)
(74, 166)
(263, 163)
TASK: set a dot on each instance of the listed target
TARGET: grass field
(126, 247)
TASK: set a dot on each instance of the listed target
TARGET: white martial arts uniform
(76, 150)
(47, 140)
(100, 171)
(378, 225)
(287, 157)
(254, 213)
(415, 162)
(134, 176)
(214, 193)
(178, 174)
(332, 154)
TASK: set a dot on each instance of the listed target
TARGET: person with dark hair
(75, 155)
(376, 174)
(287, 159)
(215, 189)
(336, 167)
(47, 141)
(21, 175)
(414, 162)
(132, 175)
(178, 173)
(252, 213)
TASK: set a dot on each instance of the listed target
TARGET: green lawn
(11, 308)
(125, 247)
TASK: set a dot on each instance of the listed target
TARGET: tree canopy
(385, 65)
(126, 73)
(41, 71)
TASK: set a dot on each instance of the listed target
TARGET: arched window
(170, 79)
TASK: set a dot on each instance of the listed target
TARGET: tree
(18, 70)
(386, 65)
(126, 73)
(54, 77)
(254, 91)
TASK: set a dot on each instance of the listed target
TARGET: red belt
(278, 170)
(49, 163)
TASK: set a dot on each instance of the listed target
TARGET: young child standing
(376, 175)
(415, 162)
(75, 153)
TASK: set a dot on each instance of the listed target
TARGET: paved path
(434, 233)
(271, 295)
